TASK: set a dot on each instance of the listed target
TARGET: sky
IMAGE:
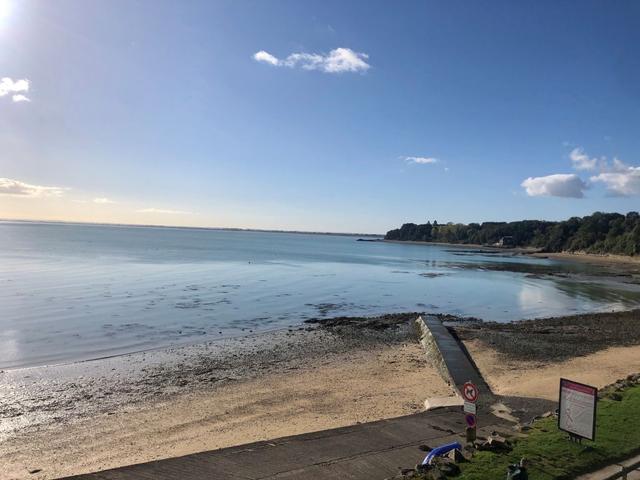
(339, 116)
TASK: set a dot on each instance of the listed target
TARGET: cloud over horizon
(338, 60)
(12, 187)
(15, 88)
(619, 179)
(565, 185)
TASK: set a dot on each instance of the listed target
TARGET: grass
(549, 453)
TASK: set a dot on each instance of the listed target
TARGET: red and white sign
(470, 392)
(577, 412)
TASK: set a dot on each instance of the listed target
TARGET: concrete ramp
(449, 356)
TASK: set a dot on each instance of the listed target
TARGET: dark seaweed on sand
(556, 338)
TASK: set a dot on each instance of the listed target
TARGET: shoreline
(90, 416)
(598, 259)
(582, 257)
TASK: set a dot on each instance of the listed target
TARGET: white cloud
(422, 160)
(338, 60)
(16, 88)
(18, 188)
(266, 57)
(620, 179)
(164, 211)
(581, 160)
(567, 185)
(103, 200)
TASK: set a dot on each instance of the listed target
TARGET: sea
(72, 292)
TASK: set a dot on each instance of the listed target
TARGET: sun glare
(5, 9)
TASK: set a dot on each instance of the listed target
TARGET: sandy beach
(90, 416)
(85, 417)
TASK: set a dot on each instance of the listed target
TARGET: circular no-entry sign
(470, 418)
(470, 392)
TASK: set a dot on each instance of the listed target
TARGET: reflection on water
(535, 298)
(615, 295)
(73, 292)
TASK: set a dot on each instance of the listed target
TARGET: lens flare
(5, 9)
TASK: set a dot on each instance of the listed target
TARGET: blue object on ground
(439, 451)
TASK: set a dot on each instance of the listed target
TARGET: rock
(456, 456)
(494, 443)
(445, 467)
(615, 396)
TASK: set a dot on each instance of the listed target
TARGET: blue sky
(160, 112)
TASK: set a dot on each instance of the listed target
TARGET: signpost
(470, 394)
(577, 409)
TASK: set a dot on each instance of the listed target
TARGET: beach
(91, 416)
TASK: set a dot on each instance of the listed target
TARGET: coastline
(605, 259)
(76, 418)
(90, 416)
(583, 257)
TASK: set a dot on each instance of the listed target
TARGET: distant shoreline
(178, 227)
(582, 257)
(589, 257)
(518, 250)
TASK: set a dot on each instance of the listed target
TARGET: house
(506, 242)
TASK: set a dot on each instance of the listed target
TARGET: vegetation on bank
(599, 233)
(549, 453)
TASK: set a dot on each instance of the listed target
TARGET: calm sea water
(71, 292)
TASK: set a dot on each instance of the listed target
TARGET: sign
(470, 407)
(470, 392)
(470, 418)
(577, 409)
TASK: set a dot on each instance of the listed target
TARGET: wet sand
(96, 415)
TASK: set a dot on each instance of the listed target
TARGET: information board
(577, 409)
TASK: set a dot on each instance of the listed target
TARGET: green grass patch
(549, 453)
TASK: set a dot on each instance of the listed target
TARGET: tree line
(598, 233)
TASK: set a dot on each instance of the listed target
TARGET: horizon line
(151, 225)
